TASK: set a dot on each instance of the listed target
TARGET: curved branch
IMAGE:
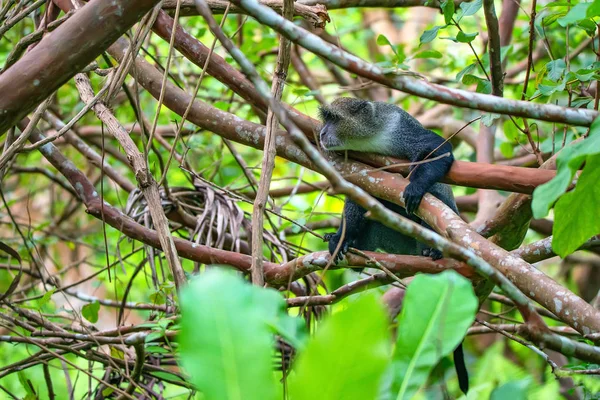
(442, 94)
(473, 174)
(315, 14)
(58, 57)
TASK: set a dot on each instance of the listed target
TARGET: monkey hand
(412, 197)
(435, 254)
(334, 242)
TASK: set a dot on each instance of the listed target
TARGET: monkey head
(353, 124)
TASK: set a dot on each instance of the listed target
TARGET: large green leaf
(470, 8)
(514, 390)
(448, 10)
(226, 338)
(570, 159)
(437, 311)
(577, 214)
(577, 13)
(429, 35)
(347, 357)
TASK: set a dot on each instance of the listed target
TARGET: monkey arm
(424, 176)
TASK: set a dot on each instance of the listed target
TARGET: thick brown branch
(442, 94)
(315, 14)
(472, 174)
(58, 57)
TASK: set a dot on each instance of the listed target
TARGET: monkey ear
(365, 108)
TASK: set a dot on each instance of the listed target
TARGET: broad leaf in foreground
(569, 160)
(226, 338)
(576, 214)
(437, 311)
(347, 357)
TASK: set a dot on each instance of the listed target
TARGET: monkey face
(328, 137)
(347, 123)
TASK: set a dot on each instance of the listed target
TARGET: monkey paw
(412, 197)
(435, 254)
(333, 239)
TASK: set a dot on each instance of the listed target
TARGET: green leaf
(428, 54)
(581, 102)
(382, 40)
(484, 86)
(90, 311)
(550, 18)
(556, 69)
(152, 336)
(570, 159)
(157, 350)
(466, 37)
(226, 342)
(26, 383)
(510, 130)
(448, 10)
(45, 298)
(584, 74)
(437, 311)
(488, 118)
(514, 390)
(588, 26)
(547, 88)
(471, 7)
(452, 39)
(593, 10)
(467, 70)
(471, 79)
(576, 14)
(429, 35)
(576, 214)
(347, 357)
(506, 149)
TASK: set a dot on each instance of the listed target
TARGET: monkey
(382, 128)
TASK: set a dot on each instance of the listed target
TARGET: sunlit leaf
(90, 311)
(226, 341)
(448, 10)
(577, 13)
(514, 390)
(428, 54)
(471, 7)
(556, 69)
(429, 35)
(463, 37)
(577, 214)
(467, 70)
(436, 312)
(347, 356)
(570, 159)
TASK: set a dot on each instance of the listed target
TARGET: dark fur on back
(353, 124)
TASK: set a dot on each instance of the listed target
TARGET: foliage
(437, 311)
(575, 212)
(226, 340)
(82, 279)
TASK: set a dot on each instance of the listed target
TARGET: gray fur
(376, 127)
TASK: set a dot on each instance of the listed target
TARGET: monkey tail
(461, 369)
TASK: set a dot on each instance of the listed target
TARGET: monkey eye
(326, 115)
